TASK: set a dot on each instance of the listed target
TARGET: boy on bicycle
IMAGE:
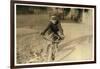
(55, 31)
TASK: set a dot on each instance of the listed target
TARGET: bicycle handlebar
(44, 37)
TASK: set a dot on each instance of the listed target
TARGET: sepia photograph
(53, 34)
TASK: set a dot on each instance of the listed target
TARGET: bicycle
(52, 46)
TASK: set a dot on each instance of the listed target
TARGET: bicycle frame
(52, 48)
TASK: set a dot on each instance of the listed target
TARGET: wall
(5, 34)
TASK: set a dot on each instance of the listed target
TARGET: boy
(55, 33)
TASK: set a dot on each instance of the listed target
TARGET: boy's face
(54, 21)
(53, 17)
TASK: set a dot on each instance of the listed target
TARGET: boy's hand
(62, 37)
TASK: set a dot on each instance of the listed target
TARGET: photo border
(12, 29)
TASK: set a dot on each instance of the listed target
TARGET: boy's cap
(53, 17)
